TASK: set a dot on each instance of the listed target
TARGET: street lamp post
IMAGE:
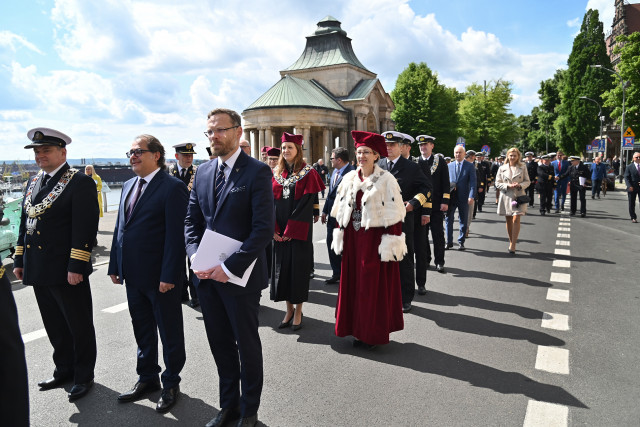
(600, 117)
(623, 84)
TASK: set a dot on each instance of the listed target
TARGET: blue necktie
(457, 170)
(134, 200)
(220, 181)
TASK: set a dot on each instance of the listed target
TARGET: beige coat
(507, 195)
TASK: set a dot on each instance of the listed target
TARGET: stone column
(268, 140)
(306, 137)
(260, 139)
(327, 143)
(343, 138)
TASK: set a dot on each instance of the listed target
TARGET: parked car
(610, 178)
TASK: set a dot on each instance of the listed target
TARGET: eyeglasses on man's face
(211, 132)
(137, 152)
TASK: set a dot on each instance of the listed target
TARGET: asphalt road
(485, 347)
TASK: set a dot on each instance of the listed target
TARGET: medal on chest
(34, 211)
(291, 180)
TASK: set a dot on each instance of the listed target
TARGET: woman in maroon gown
(295, 192)
(369, 212)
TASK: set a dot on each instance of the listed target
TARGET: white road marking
(98, 264)
(561, 295)
(322, 241)
(553, 359)
(563, 236)
(559, 322)
(545, 414)
(116, 308)
(562, 263)
(32, 336)
(564, 228)
(566, 252)
(563, 243)
(560, 277)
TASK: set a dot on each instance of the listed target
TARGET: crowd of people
(378, 213)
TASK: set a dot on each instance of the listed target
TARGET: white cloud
(573, 23)
(9, 40)
(606, 11)
(15, 115)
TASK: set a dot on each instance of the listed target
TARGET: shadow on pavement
(457, 272)
(438, 298)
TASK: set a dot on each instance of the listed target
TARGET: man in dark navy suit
(147, 254)
(232, 195)
(462, 177)
(632, 181)
(416, 195)
(58, 226)
(341, 167)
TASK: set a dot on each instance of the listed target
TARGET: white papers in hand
(583, 180)
(214, 249)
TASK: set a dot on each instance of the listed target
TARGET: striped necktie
(220, 181)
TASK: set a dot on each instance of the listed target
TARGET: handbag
(521, 200)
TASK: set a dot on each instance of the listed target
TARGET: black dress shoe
(406, 307)
(225, 417)
(297, 327)
(422, 290)
(248, 421)
(79, 390)
(312, 275)
(557, 210)
(287, 323)
(461, 247)
(194, 302)
(168, 398)
(138, 391)
(332, 280)
(53, 382)
(583, 214)
(440, 268)
(449, 246)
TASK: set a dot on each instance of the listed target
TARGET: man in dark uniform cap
(185, 171)
(485, 173)
(578, 172)
(434, 167)
(545, 183)
(416, 194)
(532, 170)
(58, 226)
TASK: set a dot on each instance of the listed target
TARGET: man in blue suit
(341, 167)
(232, 195)
(462, 176)
(559, 167)
(147, 254)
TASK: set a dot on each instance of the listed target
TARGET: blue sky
(104, 72)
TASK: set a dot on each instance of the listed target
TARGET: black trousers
(67, 314)
(531, 191)
(578, 190)
(421, 246)
(334, 260)
(436, 226)
(187, 281)
(231, 322)
(480, 198)
(153, 313)
(407, 272)
(546, 199)
(14, 395)
(632, 203)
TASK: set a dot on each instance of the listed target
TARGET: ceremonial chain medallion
(286, 183)
(356, 216)
(436, 160)
(34, 211)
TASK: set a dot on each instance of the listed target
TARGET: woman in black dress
(295, 191)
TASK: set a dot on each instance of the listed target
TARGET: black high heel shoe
(287, 323)
(299, 325)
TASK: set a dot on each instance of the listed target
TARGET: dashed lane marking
(566, 252)
(561, 295)
(563, 236)
(32, 336)
(322, 241)
(564, 228)
(116, 308)
(560, 277)
(544, 414)
(559, 322)
(553, 359)
(562, 243)
(561, 263)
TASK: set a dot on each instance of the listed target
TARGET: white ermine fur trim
(392, 248)
(382, 204)
(338, 239)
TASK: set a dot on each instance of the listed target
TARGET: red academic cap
(265, 149)
(289, 137)
(372, 140)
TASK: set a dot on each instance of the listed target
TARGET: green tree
(577, 123)
(485, 118)
(425, 106)
(548, 112)
(627, 68)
